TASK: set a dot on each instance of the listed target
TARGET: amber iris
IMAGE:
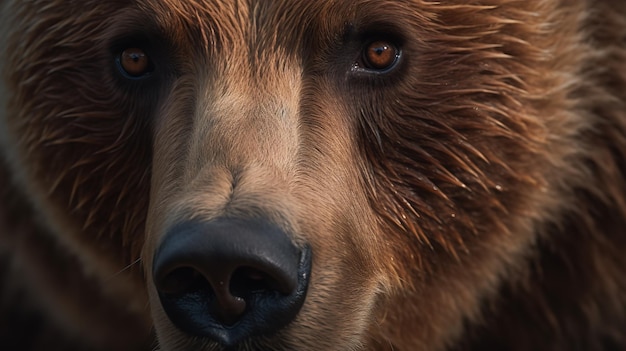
(380, 55)
(135, 62)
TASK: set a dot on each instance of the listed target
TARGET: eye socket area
(135, 63)
(380, 56)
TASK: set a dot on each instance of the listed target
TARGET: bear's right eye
(134, 63)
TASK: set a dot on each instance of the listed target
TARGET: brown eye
(380, 55)
(134, 62)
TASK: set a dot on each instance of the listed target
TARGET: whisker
(124, 269)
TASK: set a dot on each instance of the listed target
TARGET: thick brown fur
(472, 198)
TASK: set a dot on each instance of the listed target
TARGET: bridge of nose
(244, 116)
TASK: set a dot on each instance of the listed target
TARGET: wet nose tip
(229, 279)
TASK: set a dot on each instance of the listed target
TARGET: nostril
(248, 280)
(182, 281)
(227, 294)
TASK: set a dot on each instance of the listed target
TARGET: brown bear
(226, 175)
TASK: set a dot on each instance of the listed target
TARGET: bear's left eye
(380, 55)
(134, 62)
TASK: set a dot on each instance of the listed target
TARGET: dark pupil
(135, 57)
(380, 50)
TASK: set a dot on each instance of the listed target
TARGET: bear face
(373, 175)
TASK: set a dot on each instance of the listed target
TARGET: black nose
(230, 279)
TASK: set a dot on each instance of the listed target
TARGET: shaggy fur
(471, 198)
